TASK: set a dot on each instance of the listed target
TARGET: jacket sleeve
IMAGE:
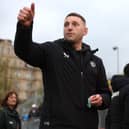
(125, 123)
(26, 49)
(2, 120)
(113, 118)
(102, 86)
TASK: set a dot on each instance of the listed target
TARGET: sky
(107, 21)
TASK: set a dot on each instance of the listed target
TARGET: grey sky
(107, 20)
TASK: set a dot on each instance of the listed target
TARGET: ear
(85, 31)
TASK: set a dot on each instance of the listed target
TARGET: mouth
(69, 34)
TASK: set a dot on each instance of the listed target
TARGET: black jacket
(118, 115)
(70, 77)
(9, 119)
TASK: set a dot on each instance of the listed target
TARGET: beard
(70, 41)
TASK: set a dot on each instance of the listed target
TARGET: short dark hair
(4, 101)
(77, 15)
(126, 70)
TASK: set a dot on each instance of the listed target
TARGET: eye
(66, 24)
(75, 24)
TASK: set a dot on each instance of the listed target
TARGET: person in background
(103, 113)
(75, 83)
(9, 117)
(34, 112)
(34, 117)
(118, 113)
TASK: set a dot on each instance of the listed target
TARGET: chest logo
(93, 64)
(66, 55)
(47, 123)
(11, 122)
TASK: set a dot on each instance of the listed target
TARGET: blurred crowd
(32, 119)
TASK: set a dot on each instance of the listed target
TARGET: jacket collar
(68, 45)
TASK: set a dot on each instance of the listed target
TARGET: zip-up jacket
(9, 119)
(69, 77)
(118, 114)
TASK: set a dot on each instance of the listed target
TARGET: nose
(70, 27)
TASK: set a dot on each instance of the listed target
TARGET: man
(118, 113)
(75, 84)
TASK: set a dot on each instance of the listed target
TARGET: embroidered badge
(47, 123)
(93, 64)
(11, 122)
(66, 55)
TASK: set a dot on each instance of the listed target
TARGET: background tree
(5, 81)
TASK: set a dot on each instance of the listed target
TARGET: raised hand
(26, 15)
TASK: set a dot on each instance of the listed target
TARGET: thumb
(33, 8)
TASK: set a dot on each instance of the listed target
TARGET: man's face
(74, 29)
(12, 100)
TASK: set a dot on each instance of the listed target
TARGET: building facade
(25, 79)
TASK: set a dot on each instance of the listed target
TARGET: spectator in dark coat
(118, 114)
(9, 117)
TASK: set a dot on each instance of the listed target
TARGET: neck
(11, 107)
(77, 46)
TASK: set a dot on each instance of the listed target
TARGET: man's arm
(102, 99)
(24, 47)
(103, 88)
